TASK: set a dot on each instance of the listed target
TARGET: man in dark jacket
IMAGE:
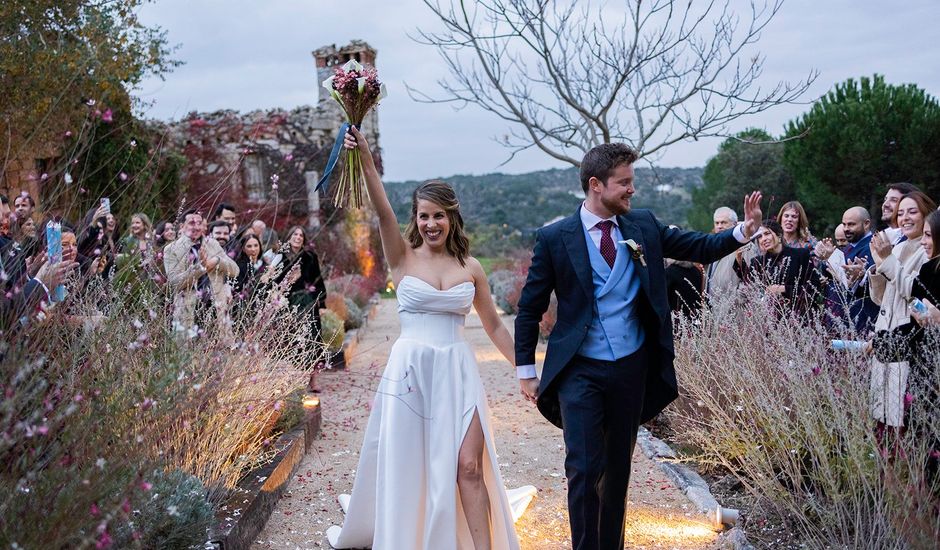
(609, 364)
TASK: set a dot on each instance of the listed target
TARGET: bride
(428, 475)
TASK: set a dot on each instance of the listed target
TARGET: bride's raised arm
(393, 244)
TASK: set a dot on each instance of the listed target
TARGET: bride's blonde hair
(443, 195)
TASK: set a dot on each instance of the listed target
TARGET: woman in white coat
(891, 279)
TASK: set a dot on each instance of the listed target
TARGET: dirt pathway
(531, 451)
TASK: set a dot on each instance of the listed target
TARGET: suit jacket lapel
(573, 236)
(630, 230)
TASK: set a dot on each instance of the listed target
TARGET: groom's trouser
(601, 403)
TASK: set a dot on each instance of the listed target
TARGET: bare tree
(567, 76)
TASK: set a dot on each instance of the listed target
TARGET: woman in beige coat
(890, 280)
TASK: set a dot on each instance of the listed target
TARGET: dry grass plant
(103, 391)
(764, 397)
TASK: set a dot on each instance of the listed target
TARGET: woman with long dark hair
(786, 273)
(428, 476)
(306, 289)
(248, 289)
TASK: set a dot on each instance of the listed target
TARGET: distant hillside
(512, 207)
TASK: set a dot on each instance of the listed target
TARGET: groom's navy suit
(609, 363)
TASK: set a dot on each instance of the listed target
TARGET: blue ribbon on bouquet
(334, 156)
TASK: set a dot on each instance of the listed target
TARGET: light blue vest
(615, 327)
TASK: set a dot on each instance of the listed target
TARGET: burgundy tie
(608, 250)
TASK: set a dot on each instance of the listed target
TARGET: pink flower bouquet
(357, 90)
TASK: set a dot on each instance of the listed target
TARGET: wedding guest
(910, 342)
(855, 304)
(685, 287)
(19, 251)
(23, 206)
(839, 237)
(720, 278)
(785, 273)
(889, 207)
(892, 279)
(5, 215)
(226, 213)
(164, 234)
(221, 231)
(197, 269)
(271, 247)
(792, 218)
(258, 227)
(95, 242)
(138, 238)
(307, 292)
(249, 289)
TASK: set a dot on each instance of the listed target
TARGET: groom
(608, 367)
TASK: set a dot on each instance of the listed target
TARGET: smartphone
(54, 255)
(106, 204)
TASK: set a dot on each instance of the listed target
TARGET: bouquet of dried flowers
(358, 90)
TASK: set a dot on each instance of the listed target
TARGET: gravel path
(531, 451)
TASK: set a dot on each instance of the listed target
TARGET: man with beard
(856, 225)
(890, 204)
(198, 268)
(609, 363)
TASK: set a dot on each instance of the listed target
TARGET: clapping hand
(855, 269)
(880, 247)
(824, 249)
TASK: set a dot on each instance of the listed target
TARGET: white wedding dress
(405, 494)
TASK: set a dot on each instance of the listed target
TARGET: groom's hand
(752, 214)
(530, 388)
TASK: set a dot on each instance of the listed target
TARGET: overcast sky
(246, 55)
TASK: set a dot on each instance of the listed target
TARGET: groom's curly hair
(443, 195)
(601, 160)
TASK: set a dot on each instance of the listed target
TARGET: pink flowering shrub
(764, 397)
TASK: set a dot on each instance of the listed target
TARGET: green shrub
(177, 514)
(355, 317)
(333, 331)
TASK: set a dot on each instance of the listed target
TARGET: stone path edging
(689, 482)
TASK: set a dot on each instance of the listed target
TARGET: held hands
(529, 388)
(752, 214)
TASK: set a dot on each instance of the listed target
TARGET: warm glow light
(652, 524)
(311, 401)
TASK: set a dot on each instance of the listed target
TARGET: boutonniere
(636, 250)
